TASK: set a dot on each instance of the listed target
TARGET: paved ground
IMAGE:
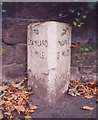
(67, 107)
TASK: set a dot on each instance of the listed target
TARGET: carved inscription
(44, 43)
(63, 42)
(38, 43)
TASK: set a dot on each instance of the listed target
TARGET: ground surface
(67, 107)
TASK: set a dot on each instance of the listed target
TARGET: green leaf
(60, 14)
(35, 20)
(77, 19)
(74, 23)
(79, 25)
(86, 49)
(72, 11)
(3, 10)
(78, 13)
(84, 16)
(86, 11)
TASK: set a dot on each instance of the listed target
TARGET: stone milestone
(49, 55)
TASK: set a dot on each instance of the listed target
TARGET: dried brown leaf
(1, 115)
(28, 117)
(3, 87)
(8, 113)
(15, 98)
(77, 94)
(97, 100)
(20, 108)
(89, 96)
(87, 108)
(88, 89)
(2, 102)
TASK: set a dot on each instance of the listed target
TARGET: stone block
(21, 54)
(16, 33)
(7, 54)
(49, 59)
(12, 71)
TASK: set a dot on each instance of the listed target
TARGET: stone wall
(14, 48)
(14, 37)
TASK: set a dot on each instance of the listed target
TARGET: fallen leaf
(87, 108)
(72, 94)
(32, 108)
(15, 97)
(77, 94)
(2, 102)
(28, 117)
(20, 108)
(88, 89)
(89, 96)
(1, 115)
(8, 113)
(73, 46)
(3, 87)
(97, 100)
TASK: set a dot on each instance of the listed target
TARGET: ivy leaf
(74, 23)
(80, 24)
(86, 11)
(35, 21)
(78, 13)
(3, 10)
(60, 14)
(82, 9)
(84, 16)
(77, 19)
(71, 10)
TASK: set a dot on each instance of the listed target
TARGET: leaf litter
(15, 97)
(77, 88)
(87, 89)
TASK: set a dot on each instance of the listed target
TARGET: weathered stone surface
(21, 54)
(84, 73)
(16, 33)
(74, 73)
(7, 23)
(13, 71)
(49, 59)
(7, 54)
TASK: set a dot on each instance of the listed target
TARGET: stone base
(46, 93)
